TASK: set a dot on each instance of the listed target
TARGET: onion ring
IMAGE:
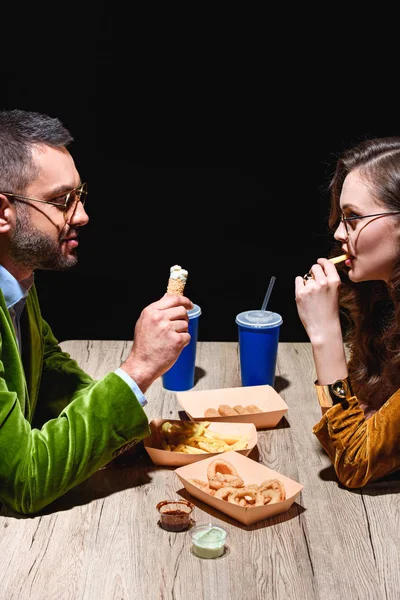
(224, 492)
(229, 480)
(246, 497)
(254, 487)
(203, 486)
(220, 466)
(273, 491)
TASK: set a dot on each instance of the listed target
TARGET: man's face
(41, 237)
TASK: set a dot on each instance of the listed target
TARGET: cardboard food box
(251, 472)
(272, 405)
(167, 458)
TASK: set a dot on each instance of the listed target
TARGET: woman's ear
(6, 214)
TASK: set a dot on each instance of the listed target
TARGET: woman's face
(371, 242)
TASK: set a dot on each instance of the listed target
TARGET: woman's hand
(318, 301)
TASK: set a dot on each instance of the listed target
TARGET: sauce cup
(175, 514)
(208, 541)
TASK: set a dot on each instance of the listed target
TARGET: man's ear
(6, 214)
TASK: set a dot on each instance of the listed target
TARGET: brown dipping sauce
(175, 514)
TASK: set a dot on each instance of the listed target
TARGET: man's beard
(32, 249)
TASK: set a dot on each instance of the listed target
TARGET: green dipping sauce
(208, 541)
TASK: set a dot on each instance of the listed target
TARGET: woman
(360, 399)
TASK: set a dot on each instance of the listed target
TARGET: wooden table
(102, 541)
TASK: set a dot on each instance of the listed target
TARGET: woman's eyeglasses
(345, 220)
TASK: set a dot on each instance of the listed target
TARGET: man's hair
(20, 132)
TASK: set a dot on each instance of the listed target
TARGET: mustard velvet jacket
(361, 450)
(57, 425)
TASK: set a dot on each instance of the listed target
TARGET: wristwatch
(340, 390)
(336, 392)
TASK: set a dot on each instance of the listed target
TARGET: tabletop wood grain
(102, 541)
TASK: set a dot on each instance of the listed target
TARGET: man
(57, 425)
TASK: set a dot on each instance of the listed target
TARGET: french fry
(164, 444)
(228, 439)
(191, 437)
(338, 259)
(209, 447)
(179, 448)
(192, 450)
(218, 445)
(186, 449)
(240, 444)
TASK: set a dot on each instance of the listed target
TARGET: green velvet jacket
(57, 425)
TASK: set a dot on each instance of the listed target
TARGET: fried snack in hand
(338, 259)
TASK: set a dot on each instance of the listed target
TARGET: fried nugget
(240, 409)
(252, 409)
(211, 412)
(227, 411)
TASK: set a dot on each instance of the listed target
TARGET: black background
(207, 140)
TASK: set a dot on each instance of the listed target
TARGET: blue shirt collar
(14, 290)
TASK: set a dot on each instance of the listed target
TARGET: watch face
(340, 388)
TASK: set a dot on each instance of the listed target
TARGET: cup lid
(261, 319)
(194, 312)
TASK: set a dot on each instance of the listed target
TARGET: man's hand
(161, 333)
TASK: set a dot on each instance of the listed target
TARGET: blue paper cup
(180, 376)
(258, 346)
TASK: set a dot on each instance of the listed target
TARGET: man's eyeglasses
(65, 202)
(352, 220)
